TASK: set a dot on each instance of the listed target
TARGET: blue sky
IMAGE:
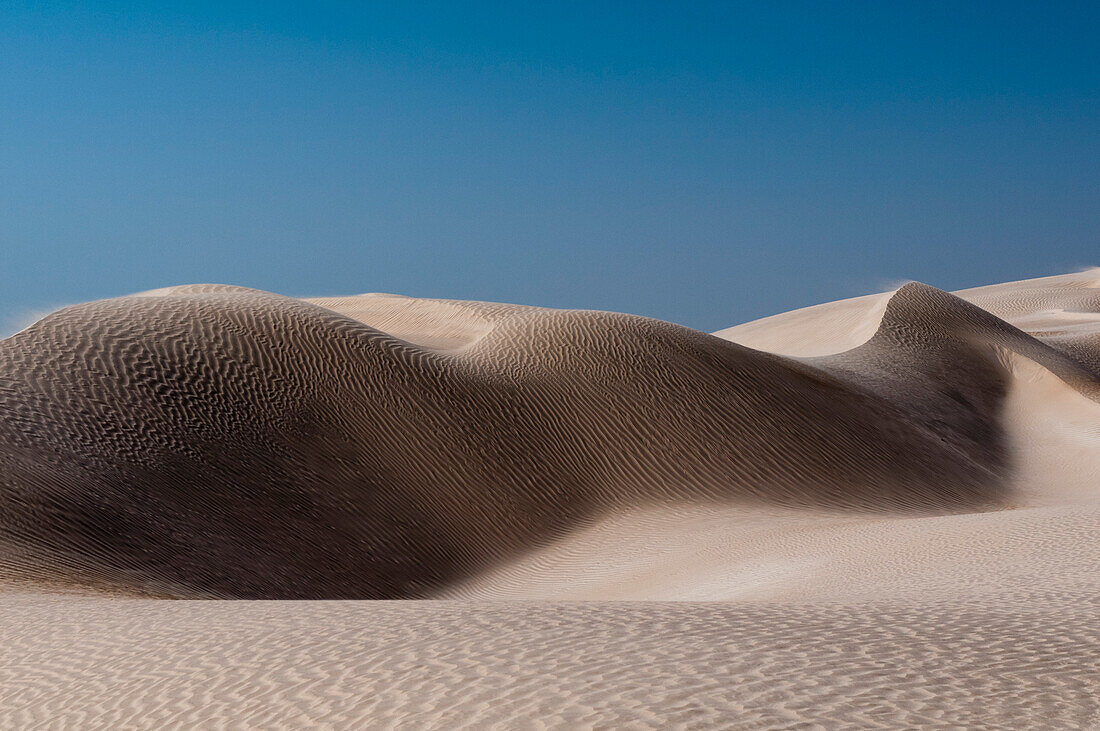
(705, 163)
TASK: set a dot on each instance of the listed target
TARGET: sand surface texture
(882, 512)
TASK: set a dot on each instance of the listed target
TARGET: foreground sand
(142, 663)
(953, 581)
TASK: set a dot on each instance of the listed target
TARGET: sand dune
(889, 504)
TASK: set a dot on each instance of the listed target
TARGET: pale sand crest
(876, 513)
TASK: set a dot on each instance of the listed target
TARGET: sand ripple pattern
(101, 663)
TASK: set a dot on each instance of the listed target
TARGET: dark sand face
(220, 442)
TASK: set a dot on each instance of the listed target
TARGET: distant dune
(894, 501)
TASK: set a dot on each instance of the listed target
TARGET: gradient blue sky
(706, 163)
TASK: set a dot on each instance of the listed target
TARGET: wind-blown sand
(882, 512)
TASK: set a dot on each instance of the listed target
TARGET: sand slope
(888, 506)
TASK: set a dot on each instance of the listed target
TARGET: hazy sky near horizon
(705, 163)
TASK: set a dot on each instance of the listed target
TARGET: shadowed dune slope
(214, 441)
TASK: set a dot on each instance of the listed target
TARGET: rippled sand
(876, 513)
